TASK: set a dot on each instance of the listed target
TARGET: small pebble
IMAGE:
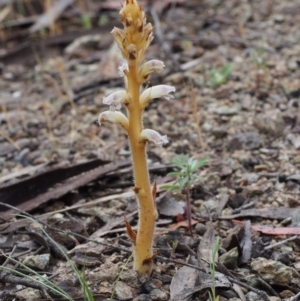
(158, 295)
(200, 229)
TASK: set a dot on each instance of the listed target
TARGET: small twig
(196, 118)
(8, 278)
(7, 119)
(188, 209)
(22, 253)
(266, 285)
(164, 45)
(10, 255)
(13, 143)
(281, 242)
(246, 206)
(37, 251)
(250, 288)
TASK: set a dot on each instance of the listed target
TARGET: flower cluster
(133, 41)
(121, 97)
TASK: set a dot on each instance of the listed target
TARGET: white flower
(153, 136)
(114, 117)
(116, 99)
(156, 92)
(123, 69)
(149, 68)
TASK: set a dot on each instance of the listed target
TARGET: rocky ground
(235, 66)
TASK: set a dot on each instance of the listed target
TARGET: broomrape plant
(133, 42)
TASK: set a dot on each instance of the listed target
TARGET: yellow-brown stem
(143, 248)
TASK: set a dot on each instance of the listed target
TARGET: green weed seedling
(86, 21)
(258, 58)
(103, 20)
(186, 175)
(218, 77)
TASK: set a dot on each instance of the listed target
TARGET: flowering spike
(156, 92)
(114, 117)
(149, 68)
(153, 136)
(133, 41)
(116, 99)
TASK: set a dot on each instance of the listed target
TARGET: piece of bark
(65, 187)
(246, 243)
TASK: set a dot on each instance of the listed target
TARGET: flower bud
(149, 68)
(153, 136)
(114, 117)
(120, 38)
(156, 92)
(116, 99)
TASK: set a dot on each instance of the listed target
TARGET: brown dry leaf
(205, 247)
(233, 238)
(239, 291)
(204, 253)
(184, 279)
(246, 243)
(130, 232)
(223, 202)
(273, 231)
(221, 281)
(181, 224)
(169, 206)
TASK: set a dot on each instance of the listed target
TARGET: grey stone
(251, 296)
(37, 261)
(249, 140)
(142, 297)
(224, 110)
(200, 229)
(107, 272)
(271, 124)
(229, 259)
(251, 177)
(124, 291)
(30, 294)
(158, 295)
(273, 272)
